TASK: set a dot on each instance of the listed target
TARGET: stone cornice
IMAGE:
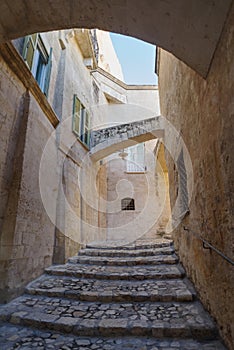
(17, 65)
(121, 83)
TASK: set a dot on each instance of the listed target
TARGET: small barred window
(127, 204)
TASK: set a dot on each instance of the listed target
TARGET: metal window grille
(127, 204)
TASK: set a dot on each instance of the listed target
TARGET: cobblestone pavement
(124, 245)
(106, 291)
(118, 272)
(21, 338)
(148, 304)
(126, 252)
(126, 261)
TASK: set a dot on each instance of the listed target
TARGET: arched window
(127, 204)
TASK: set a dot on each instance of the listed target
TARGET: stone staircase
(111, 298)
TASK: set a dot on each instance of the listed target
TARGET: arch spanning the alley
(109, 140)
(188, 29)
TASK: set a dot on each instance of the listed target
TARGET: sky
(137, 59)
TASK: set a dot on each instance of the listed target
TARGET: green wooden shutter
(30, 43)
(87, 128)
(76, 115)
(48, 74)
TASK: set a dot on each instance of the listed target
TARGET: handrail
(205, 242)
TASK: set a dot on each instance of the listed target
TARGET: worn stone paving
(21, 338)
(125, 245)
(145, 305)
(57, 312)
(106, 291)
(123, 252)
(125, 261)
(118, 272)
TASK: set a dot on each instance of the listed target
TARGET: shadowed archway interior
(190, 30)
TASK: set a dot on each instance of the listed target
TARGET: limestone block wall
(27, 234)
(12, 124)
(202, 111)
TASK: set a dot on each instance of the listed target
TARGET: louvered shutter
(30, 43)
(48, 74)
(76, 115)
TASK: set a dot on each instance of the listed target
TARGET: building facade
(54, 92)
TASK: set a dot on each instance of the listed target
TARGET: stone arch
(109, 140)
(159, 22)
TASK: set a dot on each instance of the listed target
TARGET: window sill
(81, 142)
(135, 172)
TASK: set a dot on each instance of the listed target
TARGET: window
(38, 60)
(136, 158)
(127, 204)
(81, 121)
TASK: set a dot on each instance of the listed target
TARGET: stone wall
(27, 235)
(12, 121)
(202, 111)
(149, 190)
(37, 224)
(80, 218)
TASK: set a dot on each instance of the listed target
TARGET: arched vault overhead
(188, 29)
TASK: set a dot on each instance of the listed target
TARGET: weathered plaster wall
(11, 116)
(150, 193)
(203, 111)
(77, 220)
(128, 103)
(11, 124)
(108, 59)
(27, 235)
(29, 238)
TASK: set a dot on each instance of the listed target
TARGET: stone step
(125, 261)
(112, 291)
(17, 337)
(124, 253)
(160, 320)
(130, 273)
(139, 244)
